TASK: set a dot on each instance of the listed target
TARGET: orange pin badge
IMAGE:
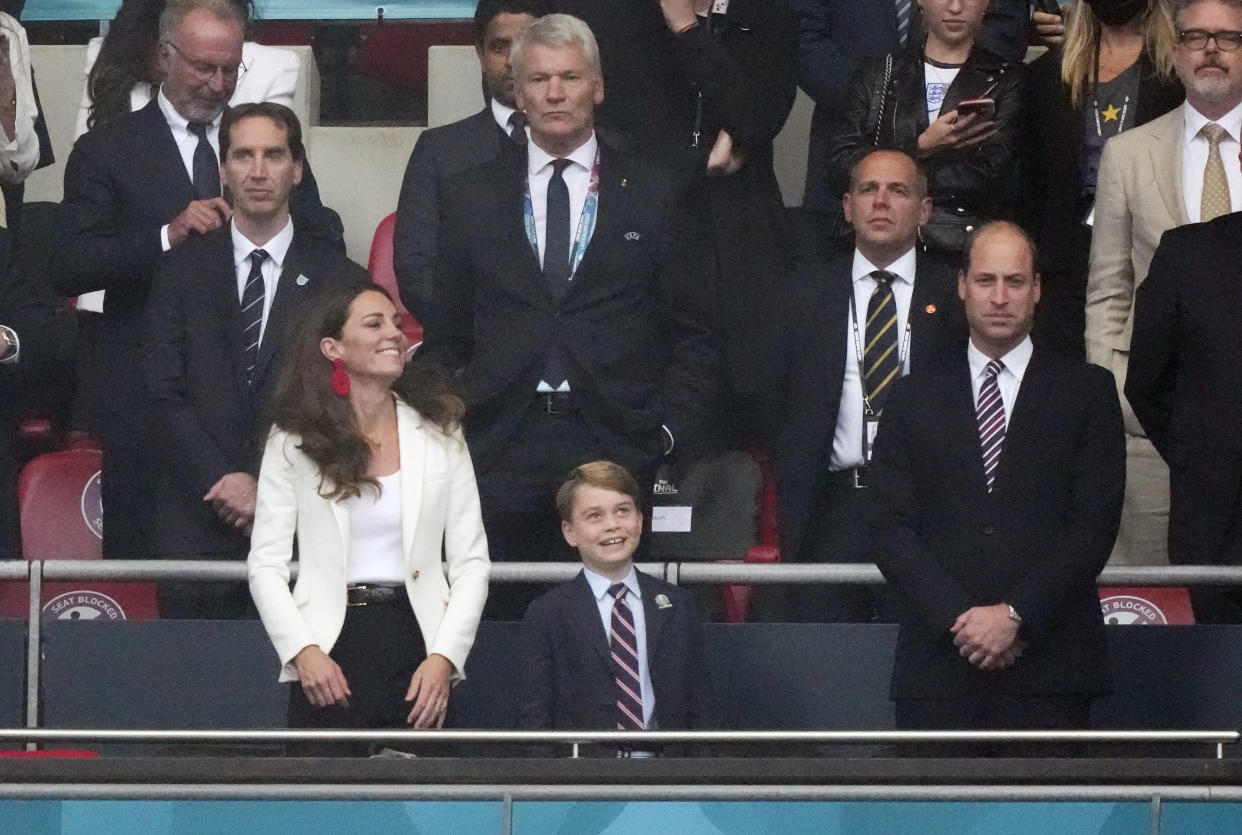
(930, 309)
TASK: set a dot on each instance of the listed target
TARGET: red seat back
(380, 266)
(1156, 606)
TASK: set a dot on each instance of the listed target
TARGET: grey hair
(176, 10)
(1180, 6)
(554, 31)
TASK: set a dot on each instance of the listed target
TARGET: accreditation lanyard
(586, 223)
(871, 420)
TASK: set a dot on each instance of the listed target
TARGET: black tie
(252, 311)
(556, 245)
(517, 121)
(206, 166)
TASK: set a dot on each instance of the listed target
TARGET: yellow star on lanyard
(1110, 113)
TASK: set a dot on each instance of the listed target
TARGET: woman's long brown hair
(305, 405)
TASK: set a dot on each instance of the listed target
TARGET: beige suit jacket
(440, 506)
(1138, 198)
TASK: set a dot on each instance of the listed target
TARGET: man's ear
(567, 531)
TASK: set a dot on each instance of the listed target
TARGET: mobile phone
(985, 109)
(1049, 7)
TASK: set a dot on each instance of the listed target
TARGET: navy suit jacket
(568, 680)
(1037, 541)
(208, 421)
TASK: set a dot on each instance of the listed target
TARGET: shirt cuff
(164, 244)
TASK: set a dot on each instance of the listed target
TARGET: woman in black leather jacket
(909, 101)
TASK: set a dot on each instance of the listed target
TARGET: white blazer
(441, 506)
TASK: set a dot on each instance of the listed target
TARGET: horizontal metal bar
(553, 572)
(625, 738)
(532, 792)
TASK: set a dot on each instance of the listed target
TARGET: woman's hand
(952, 131)
(429, 691)
(321, 678)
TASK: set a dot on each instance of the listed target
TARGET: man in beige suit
(1174, 170)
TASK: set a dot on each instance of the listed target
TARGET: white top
(847, 441)
(1008, 380)
(276, 248)
(375, 554)
(599, 587)
(577, 180)
(936, 81)
(19, 154)
(1195, 154)
(501, 113)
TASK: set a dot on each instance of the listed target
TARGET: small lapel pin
(632, 236)
(624, 182)
(930, 309)
(662, 602)
(302, 280)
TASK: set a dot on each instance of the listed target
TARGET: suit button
(414, 576)
(987, 531)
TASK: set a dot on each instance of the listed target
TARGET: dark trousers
(379, 648)
(128, 489)
(517, 493)
(986, 712)
(184, 600)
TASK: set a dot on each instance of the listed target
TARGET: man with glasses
(1174, 170)
(138, 187)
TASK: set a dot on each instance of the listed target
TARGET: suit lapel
(1023, 427)
(610, 207)
(163, 151)
(584, 611)
(1166, 163)
(960, 411)
(656, 616)
(412, 445)
(228, 308)
(289, 292)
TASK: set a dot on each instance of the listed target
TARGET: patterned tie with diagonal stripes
(624, 641)
(990, 413)
(904, 8)
(252, 311)
(881, 363)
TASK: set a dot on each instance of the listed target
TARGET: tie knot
(559, 166)
(517, 120)
(258, 257)
(995, 367)
(1214, 133)
(883, 277)
(199, 129)
(618, 590)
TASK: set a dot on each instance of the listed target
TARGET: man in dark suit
(444, 151)
(574, 345)
(999, 478)
(1185, 386)
(822, 448)
(213, 348)
(591, 658)
(147, 184)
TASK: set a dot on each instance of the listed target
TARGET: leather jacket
(968, 185)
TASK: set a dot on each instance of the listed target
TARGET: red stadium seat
(62, 518)
(1157, 606)
(380, 266)
(736, 598)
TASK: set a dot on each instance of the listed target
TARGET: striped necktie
(904, 8)
(252, 311)
(990, 413)
(881, 363)
(624, 642)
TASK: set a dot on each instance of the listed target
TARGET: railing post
(34, 645)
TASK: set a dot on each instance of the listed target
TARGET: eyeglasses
(1196, 39)
(205, 71)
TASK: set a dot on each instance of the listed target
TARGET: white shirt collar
(1015, 361)
(277, 248)
(502, 113)
(175, 120)
(537, 158)
(904, 267)
(600, 584)
(1193, 122)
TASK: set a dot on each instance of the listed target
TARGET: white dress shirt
(599, 587)
(577, 179)
(502, 113)
(1195, 155)
(847, 441)
(186, 144)
(1009, 380)
(19, 154)
(276, 248)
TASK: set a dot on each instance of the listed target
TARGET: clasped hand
(987, 637)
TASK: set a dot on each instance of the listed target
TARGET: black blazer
(630, 331)
(810, 366)
(568, 681)
(208, 421)
(1185, 383)
(1036, 542)
(438, 155)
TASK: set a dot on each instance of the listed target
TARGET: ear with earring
(340, 379)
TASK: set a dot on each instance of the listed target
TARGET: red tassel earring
(340, 380)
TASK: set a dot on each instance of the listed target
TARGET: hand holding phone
(984, 110)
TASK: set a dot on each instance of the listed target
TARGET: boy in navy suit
(613, 649)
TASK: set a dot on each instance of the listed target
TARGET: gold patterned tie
(1215, 200)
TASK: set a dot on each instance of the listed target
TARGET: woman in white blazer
(367, 470)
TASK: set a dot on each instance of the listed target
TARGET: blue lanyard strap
(586, 223)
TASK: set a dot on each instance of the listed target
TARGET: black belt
(855, 478)
(554, 402)
(363, 594)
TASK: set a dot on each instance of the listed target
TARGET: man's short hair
(487, 11)
(278, 113)
(993, 225)
(176, 10)
(603, 474)
(1180, 6)
(553, 32)
(920, 176)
